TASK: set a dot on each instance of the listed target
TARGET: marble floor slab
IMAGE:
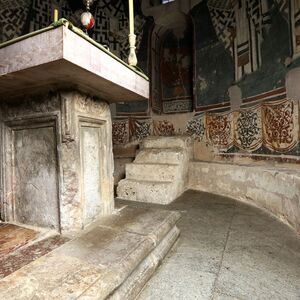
(20, 246)
(13, 237)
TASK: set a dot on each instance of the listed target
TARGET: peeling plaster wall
(214, 68)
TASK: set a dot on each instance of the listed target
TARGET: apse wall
(245, 100)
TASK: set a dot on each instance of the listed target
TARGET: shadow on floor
(227, 250)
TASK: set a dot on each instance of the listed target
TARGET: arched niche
(172, 64)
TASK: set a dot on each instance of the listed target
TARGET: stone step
(154, 155)
(151, 172)
(166, 142)
(114, 258)
(146, 191)
(131, 288)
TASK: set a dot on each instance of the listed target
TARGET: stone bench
(276, 190)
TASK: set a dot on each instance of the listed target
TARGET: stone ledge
(275, 189)
(114, 258)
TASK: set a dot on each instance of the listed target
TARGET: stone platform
(56, 159)
(159, 172)
(113, 258)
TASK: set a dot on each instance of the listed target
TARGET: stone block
(159, 172)
(167, 142)
(57, 169)
(146, 191)
(167, 156)
(151, 171)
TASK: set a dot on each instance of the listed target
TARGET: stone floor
(20, 246)
(227, 250)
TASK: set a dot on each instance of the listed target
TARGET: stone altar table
(55, 127)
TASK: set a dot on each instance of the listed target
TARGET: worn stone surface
(13, 237)
(113, 257)
(57, 169)
(132, 286)
(36, 185)
(29, 252)
(146, 191)
(166, 142)
(61, 58)
(227, 250)
(274, 189)
(119, 168)
(159, 171)
(19, 246)
(91, 152)
(151, 171)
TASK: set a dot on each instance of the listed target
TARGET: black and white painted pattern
(248, 130)
(196, 128)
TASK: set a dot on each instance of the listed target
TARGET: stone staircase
(159, 171)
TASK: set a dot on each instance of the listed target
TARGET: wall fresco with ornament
(176, 70)
(280, 125)
(267, 127)
(248, 128)
(249, 43)
(214, 65)
(270, 125)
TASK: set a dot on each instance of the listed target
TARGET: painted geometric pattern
(163, 128)
(274, 124)
(12, 22)
(140, 129)
(41, 14)
(12, 4)
(196, 128)
(184, 105)
(111, 27)
(111, 21)
(219, 130)
(223, 19)
(131, 129)
(248, 129)
(254, 12)
(120, 132)
(280, 125)
(282, 4)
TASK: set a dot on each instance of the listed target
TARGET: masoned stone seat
(149, 191)
(151, 171)
(159, 171)
(166, 142)
(168, 156)
(275, 189)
